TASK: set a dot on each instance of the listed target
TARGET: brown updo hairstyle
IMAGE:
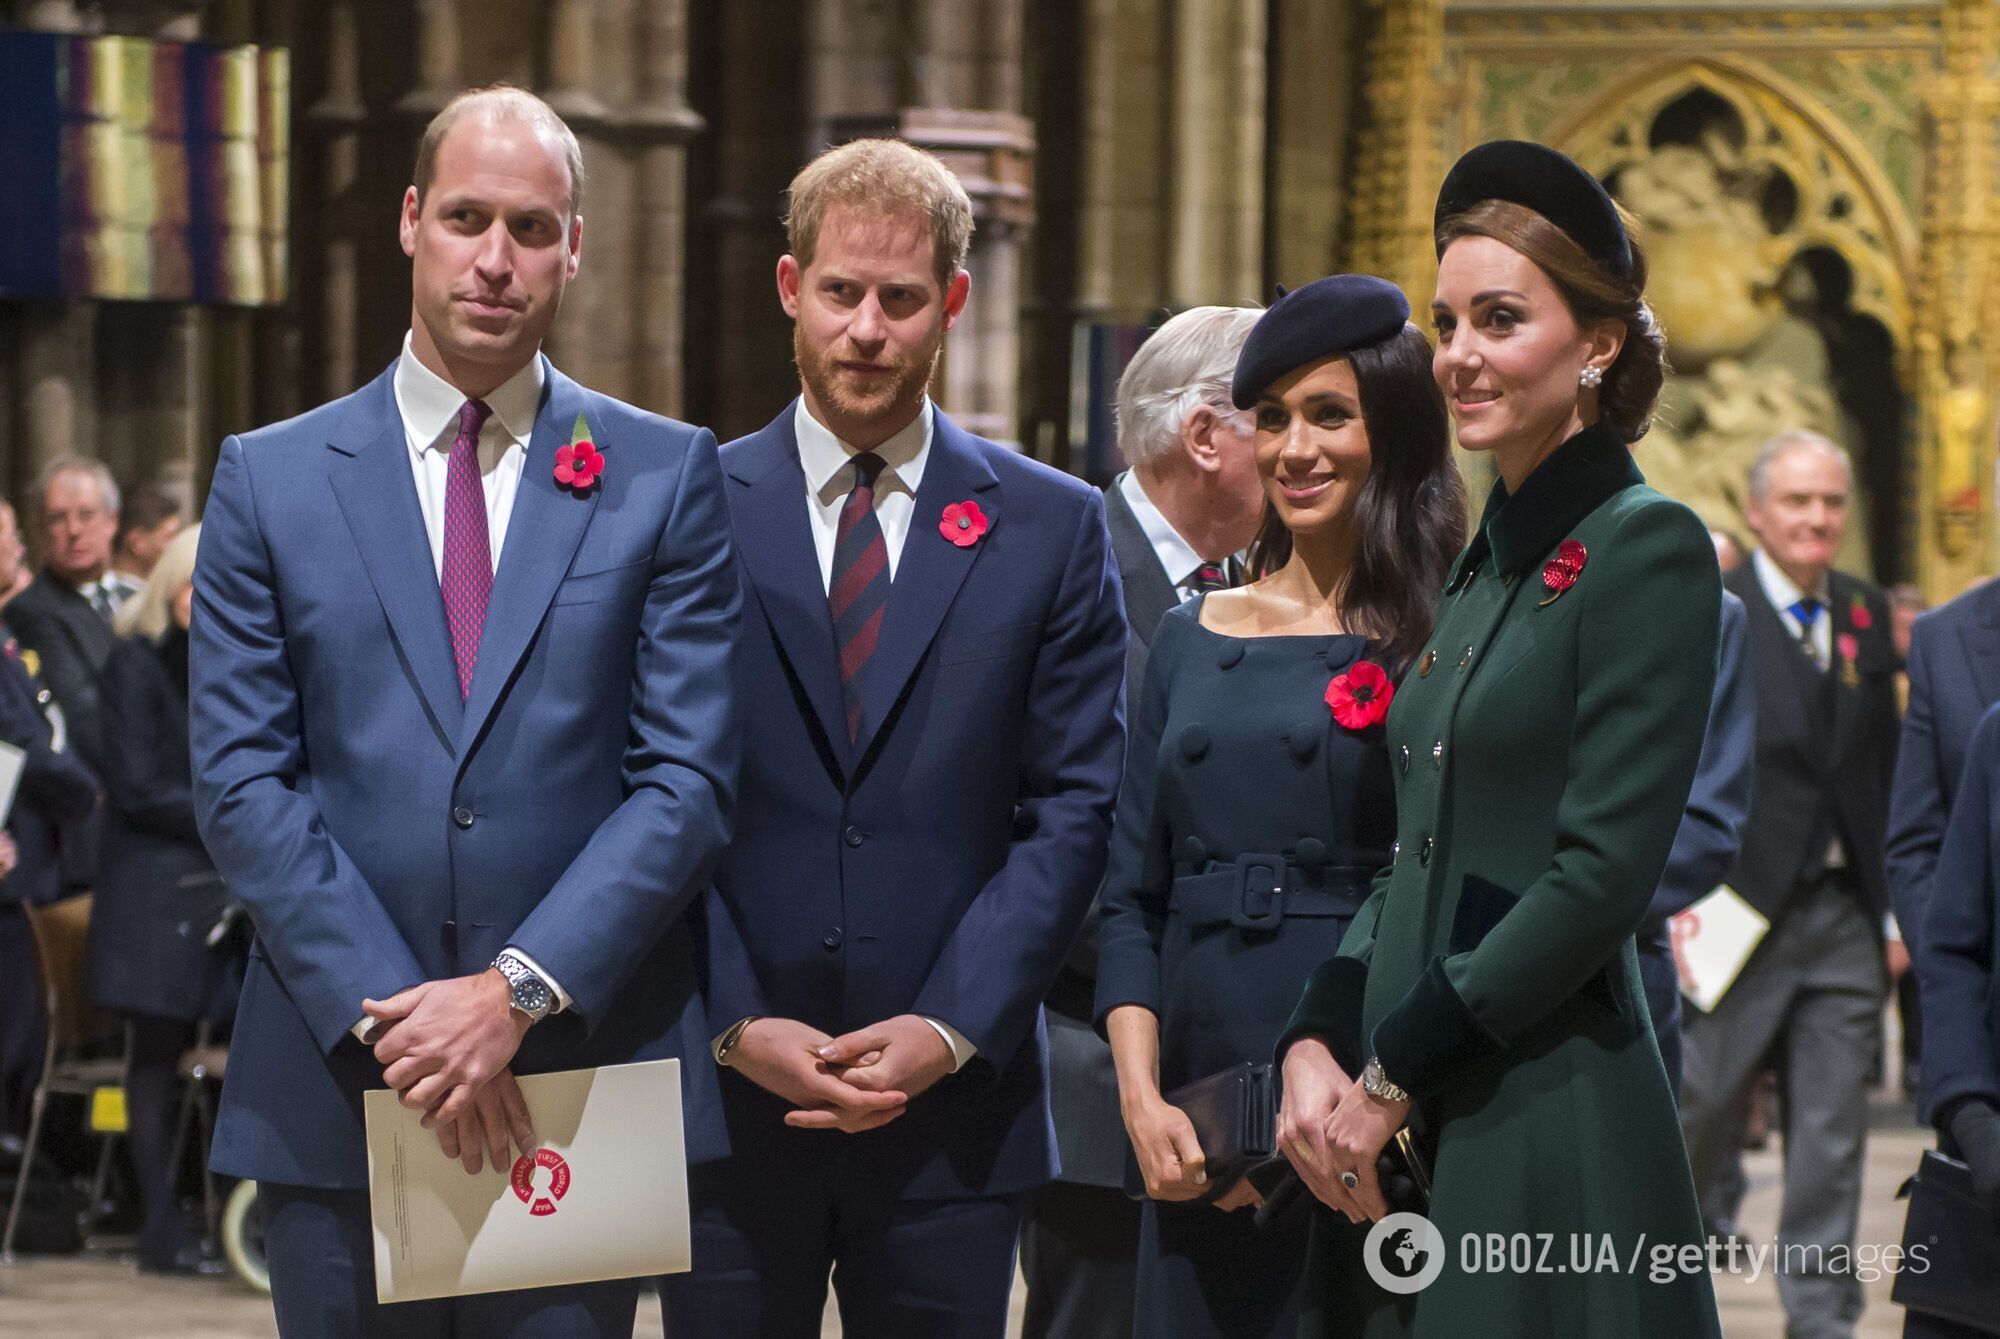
(1631, 387)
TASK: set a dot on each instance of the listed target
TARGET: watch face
(530, 995)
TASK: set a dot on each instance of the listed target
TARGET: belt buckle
(1260, 898)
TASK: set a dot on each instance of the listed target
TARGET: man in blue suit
(1954, 668)
(464, 737)
(935, 649)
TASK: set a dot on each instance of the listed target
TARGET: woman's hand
(1314, 1085)
(1169, 1154)
(1356, 1133)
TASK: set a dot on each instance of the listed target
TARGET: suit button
(462, 816)
(853, 836)
(831, 938)
(1424, 853)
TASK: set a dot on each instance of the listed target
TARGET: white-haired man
(1812, 862)
(1190, 502)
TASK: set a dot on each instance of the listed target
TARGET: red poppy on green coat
(1560, 572)
(1361, 697)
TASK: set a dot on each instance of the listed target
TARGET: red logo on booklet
(543, 1204)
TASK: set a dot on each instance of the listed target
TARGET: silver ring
(1350, 1180)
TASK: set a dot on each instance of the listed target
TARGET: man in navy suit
(464, 736)
(933, 665)
(1954, 668)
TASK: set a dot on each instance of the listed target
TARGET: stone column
(1215, 219)
(663, 124)
(338, 117)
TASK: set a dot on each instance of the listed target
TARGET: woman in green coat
(1543, 747)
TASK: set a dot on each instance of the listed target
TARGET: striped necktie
(858, 592)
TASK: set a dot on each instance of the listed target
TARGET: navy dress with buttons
(1249, 827)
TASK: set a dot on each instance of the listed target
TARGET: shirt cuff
(1890, 930)
(555, 986)
(360, 1030)
(961, 1049)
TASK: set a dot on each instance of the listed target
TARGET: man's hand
(1898, 955)
(1314, 1085)
(446, 1039)
(909, 1056)
(10, 855)
(782, 1057)
(497, 1116)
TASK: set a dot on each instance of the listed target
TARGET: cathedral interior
(1818, 185)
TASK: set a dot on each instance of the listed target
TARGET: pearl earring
(1591, 377)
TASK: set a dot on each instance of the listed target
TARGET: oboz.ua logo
(1404, 1253)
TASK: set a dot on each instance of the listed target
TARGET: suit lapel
(542, 537)
(377, 494)
(775, 545)
(1149, 588)
(930, 572)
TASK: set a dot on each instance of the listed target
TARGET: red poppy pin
(1560, 572)
(1361, 697)
(963, 523)
(1859, 617)
(579, 464)
(1850, 646)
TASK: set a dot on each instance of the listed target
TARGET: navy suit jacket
(1718, 806)
(1954, 677)
(384, 833)
(941, 864)
(1955, 946)
(56, 791)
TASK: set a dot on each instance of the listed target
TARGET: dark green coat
(1543, 747)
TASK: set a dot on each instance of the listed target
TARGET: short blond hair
(881, 177)
(501, 102)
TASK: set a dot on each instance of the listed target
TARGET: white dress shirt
(827, 464)
(1177, 557)
(428, 406)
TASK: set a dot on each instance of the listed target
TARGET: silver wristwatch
(1376, 1084)
(531, 994)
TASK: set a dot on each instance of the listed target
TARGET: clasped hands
(446, 1047)
(1328, 1124)
(856, 1082)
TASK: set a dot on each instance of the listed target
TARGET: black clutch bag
(1235, 1116)
(1950, 1244)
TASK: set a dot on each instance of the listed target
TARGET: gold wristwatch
(727, 1041)
(1376, 1084)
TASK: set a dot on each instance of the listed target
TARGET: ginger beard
(864, 397)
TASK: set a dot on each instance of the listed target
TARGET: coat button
(1230, 656)
(1406, 759)
(1194, 743)
(1437, 754)
(1465, 659)
(853, 836)
(1424, 666)
(831, 938)
(1424, 853)
(1193, 851)
(1310, 853)
(1395, 852)
(462, 816)
(1304, 740)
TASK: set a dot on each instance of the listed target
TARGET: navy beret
(1323, 319)
(1538, 178)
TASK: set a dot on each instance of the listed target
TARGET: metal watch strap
(523, 979)
(727, 1042)
(1376, 1083)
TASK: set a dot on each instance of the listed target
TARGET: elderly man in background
(1178, 517)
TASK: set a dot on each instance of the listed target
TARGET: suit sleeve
(990, 976)
(1132, 909)
(1711, 830)
(654, 855)
(327, 933)
(55, 785)
(1645, 673)
(1917, 796)
(1954, 950)
(141, 779)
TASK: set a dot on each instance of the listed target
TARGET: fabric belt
(1258, 892)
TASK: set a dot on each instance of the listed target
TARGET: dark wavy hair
(1632, 383)
(1411, 514)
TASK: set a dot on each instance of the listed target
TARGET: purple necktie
(859, 591)
(467, 578)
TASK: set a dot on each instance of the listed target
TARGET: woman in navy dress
(1256, 763)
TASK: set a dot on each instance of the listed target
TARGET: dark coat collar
(1582, 475)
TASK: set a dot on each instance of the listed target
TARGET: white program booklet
(1712, 940)
(13, 761)
(604, 1198)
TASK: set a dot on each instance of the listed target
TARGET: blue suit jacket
(381, 831)
(1711, 830)
(1955, 946)
(942, 864)
(1954, 677)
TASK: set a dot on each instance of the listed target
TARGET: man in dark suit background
(1811, 863)
(933, 665)
(1190, 502)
